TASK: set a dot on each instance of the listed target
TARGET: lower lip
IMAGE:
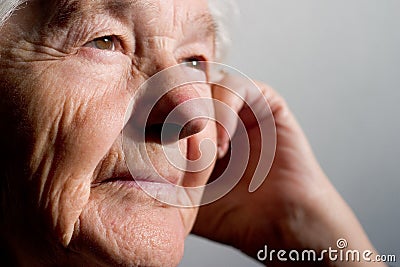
(167, 193)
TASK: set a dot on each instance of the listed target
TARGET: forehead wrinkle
(63, 13)
(66, 12)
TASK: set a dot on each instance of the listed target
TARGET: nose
(180, 113)
(171, 105)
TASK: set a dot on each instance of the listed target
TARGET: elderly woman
(69, 69)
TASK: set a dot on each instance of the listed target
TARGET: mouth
(130, 181)
(164, 190)
(117, 172)
(164, 185)
(158, 189)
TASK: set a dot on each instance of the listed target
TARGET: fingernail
(222, 150)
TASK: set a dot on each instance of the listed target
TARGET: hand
(296, 207)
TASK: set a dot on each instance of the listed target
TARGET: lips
(166, 191)
(125, 176)
(163, 192)
(155, 176)
(130, 179)
(113, 168)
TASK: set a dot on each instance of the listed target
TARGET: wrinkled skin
(63, 106)
(296, 207)
(67, 196)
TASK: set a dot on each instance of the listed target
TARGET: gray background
(337, 63)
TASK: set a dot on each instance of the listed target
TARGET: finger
(238, 93)
(246, 98)
(229, 94)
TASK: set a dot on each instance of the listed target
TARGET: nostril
(172, 132)
(163, 132)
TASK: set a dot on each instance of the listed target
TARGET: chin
(122, 226)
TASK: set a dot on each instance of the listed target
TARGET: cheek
(75, 113)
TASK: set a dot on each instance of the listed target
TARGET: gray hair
(224, 12)
(7, 7)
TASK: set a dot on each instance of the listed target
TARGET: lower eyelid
(104, 57)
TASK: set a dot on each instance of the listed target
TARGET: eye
(196, 62)
(104, 43)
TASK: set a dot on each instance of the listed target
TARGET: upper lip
(126, 176)
(118, 171)
(150, 179)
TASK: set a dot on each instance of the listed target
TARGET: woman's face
(68, 71)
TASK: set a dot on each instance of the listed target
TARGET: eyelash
(200, 65)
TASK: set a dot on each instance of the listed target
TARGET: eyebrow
(206, 22)
(118, 8)
(68, 12)
(65, 13)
